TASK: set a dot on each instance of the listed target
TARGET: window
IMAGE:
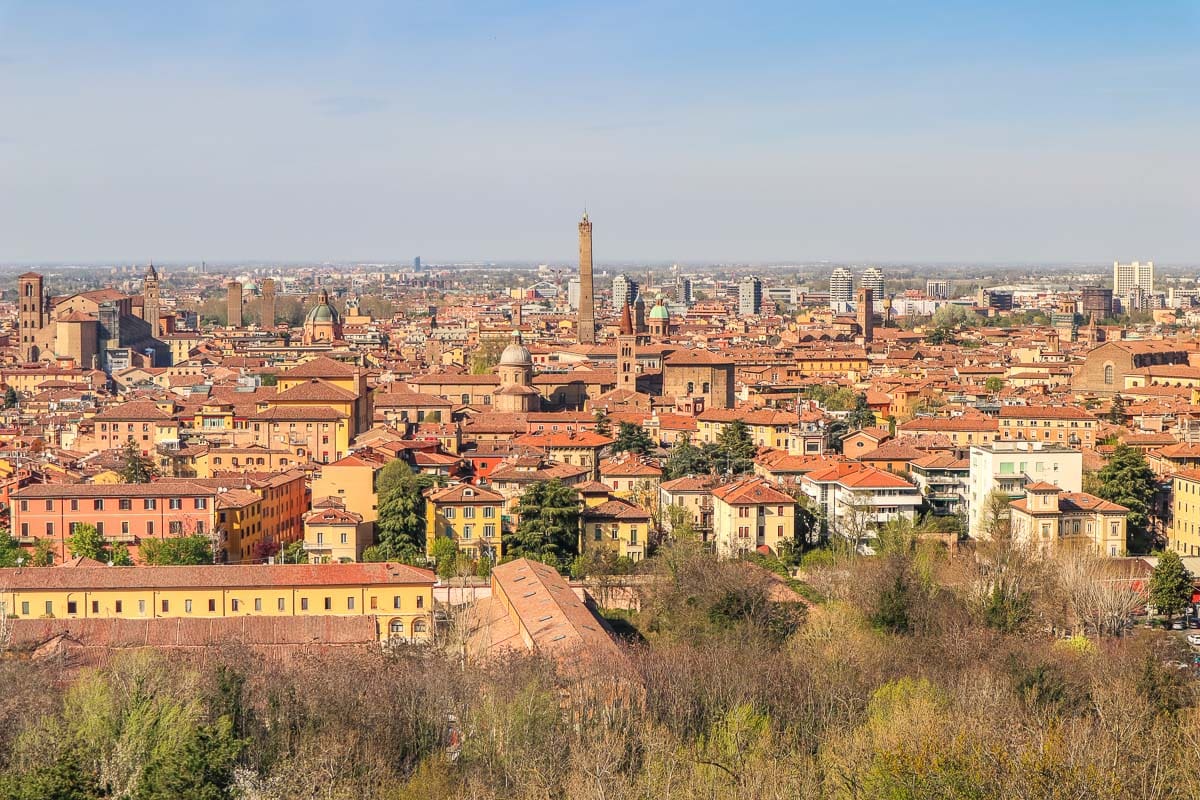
(489, 531)
(350, 603)
(176, 527)
(1108, 374)
(98, 504)
(449, 513)
(125, 504)
(49, 505)
(49, 608)
(633, 534)
(395, 601)
(49, 528)
(100, 528)
(489, 512)
(25, 608)
(175, 503)
(72, 606)
(166, 606)
(396, 628)
(25, 530)
(212, 605)
(374, 602)
(328, 603)
(345, 538)
(599, 534)
(24, 505)
(419, 625)
(280, 604)
(125, 527)
(150, 503)
(118, 606)
(150, 527)
(304, 604)
(201, 502)
(420, 601)
(141, 606)
(258, 604)
(466, 531)
(469, 512)
(74, 505)
(95, 606)
(320, 537)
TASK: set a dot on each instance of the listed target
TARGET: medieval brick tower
(627, 352)
(151, 308)
(233, 305)
(866, 313)
(33, 315)
(267, 307)
(587, 309)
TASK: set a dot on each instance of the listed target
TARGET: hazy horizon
(921, 133)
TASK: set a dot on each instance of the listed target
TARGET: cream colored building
(749, 515)
(1052, 520)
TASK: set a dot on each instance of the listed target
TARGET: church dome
(516, 354)
(659, 312)
(323, 311)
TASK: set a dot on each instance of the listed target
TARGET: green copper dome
(323, 311)
(659, 312)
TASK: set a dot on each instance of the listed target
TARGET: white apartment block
(1010, 465)
(1133, 276)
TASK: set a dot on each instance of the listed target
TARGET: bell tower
(150, 300)
(627, 352)
(33, 314)
(587, 309)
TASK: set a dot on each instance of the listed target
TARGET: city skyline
(773, 133)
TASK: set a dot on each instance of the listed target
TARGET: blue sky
(698, 131)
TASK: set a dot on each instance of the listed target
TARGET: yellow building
(1050, 519)
(239, 519)
(617, 525)
(749, 515)
(335, 536)
(470, 515)
(399, 597)
(352, 481)
(1184, 535)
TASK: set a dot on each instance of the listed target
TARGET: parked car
(1193, 639)
(1193, 622)
(1177, 625)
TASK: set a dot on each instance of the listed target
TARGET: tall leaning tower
(587, 309)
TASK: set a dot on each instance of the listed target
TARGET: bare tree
(1097, 595)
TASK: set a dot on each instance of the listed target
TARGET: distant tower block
(587, 309)
(268, 303)
(866, 314)
(151, 309)
(233, 305)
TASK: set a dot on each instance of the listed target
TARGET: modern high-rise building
(872, 278)
(749, 296)
(1127, 276)
(841, 286)
(624, 291)
(937, 289)
(683, 291)
(417, 264)
(587, 310)
(573, 294)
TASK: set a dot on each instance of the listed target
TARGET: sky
(1022, 132)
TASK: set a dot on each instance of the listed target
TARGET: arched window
(419, 626)
(396, 628)
(1108, 374)
(691, 387)
(704, 388)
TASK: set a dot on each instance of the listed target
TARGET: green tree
(397, 474)
(201, 768)
(10, 549)
(294, 553)
(686, 459)
(400, 528)
(10, 397)
(1128, 481)
(632, 438)
(549, 524)
(119, 556)
(177, 551)
(603, 424)
(445, 556)
(861, 416)
(1116, 412)
(43, 554)
(86, 542)
(1170, 584)
(136, 468)
(735, 449)
(994, 384)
